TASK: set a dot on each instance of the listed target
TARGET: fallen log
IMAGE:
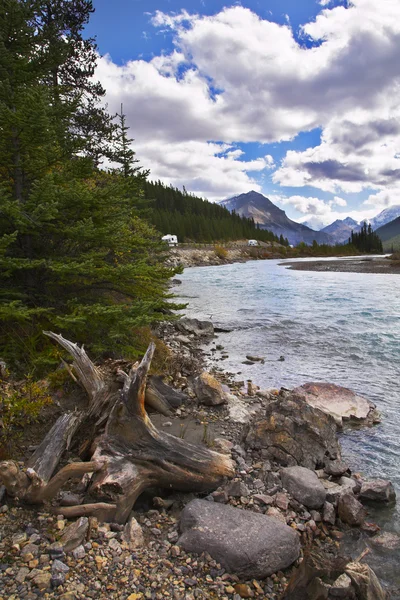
(128, 457)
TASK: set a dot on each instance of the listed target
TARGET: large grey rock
(377, 490)
(208, 390)
(247, 543)
(74, 535)
(304, 485)
(340, 402)
(196, 327)
(294, 433)
(350, 510)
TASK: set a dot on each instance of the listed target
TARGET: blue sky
(296, 99)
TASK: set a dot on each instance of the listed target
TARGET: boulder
(336, 468)
(304, 485)
(294, 433)
(208, 390)
(252, 545)
(377, 491)
(350, 510)
(195, 327)
(340, 402)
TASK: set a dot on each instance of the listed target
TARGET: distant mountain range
(269, 216)
(340, 230)
(384, 217)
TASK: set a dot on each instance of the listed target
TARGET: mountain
(340, 230)
(268, 216)
(388, 233)
(386, 216)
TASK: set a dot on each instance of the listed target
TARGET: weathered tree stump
(127, 456)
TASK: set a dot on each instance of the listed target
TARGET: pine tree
(75, 256)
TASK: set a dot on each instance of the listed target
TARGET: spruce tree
(75, 256)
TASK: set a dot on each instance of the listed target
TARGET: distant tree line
(195, 219)
(366, 241)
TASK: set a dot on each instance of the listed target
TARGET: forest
(195, 219)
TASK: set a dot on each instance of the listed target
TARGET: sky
(296, 99)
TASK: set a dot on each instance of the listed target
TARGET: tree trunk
(130, 456)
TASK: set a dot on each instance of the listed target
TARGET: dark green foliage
(195, 219)
(366, 240)
(75, 256)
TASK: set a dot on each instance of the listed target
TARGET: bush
(20, 405)
(221, 252)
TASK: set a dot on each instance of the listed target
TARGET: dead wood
(128, 457)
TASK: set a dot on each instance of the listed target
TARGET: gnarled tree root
(130, 456)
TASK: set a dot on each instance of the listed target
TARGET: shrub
(221, 252)
(20, 405)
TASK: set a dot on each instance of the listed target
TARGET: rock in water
(295, 433)
(249, 544)
(208, 390)
(196, 327)
(304, 485)
(377, 491)
(340, 402)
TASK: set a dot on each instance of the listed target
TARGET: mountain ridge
(269, 216)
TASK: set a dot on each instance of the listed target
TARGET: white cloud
(319, 213)
(209, 170)
(235, 77)
(338, 201)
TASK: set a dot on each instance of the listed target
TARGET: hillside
(390, 234)
(195, 219)
(268, 216)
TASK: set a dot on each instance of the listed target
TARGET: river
(338, 327)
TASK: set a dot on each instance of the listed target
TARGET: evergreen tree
(75, 256)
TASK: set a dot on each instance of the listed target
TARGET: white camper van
(252, 243)
(171, 240)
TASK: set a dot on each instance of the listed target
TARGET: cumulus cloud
(209, 170)
(318, 213)
(236, 77)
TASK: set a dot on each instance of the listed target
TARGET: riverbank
(102, 565)
(202, 255)
(347, 265)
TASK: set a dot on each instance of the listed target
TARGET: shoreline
(380, 266)
(103, 555)
(207, 257)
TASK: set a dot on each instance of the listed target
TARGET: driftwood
(128, 454)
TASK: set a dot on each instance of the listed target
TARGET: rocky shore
(353, 265)
(271, 531)
(210, 255)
